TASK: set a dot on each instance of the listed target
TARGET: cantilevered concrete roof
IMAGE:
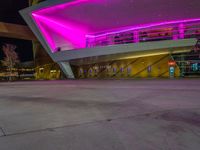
(94, 16)
(66, 23)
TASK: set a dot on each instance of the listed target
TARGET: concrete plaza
(100, 115)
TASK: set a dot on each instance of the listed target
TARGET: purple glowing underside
(55, 33)
(59, 32)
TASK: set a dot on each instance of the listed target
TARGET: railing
(169, 32)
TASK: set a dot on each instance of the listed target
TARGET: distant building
(118, 39)
(22, 71)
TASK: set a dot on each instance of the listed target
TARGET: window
(129, 70)
(114, 70)
(121, 69)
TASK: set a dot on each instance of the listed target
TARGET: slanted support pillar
(66, 68)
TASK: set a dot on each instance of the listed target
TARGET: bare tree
(11, 58)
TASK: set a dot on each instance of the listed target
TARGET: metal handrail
(152, 34)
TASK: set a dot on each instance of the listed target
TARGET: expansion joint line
(1, 130)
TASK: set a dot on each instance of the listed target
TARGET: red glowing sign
(172, 63)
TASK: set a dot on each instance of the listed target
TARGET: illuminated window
(195, 67)
(41, 70)
(114, 70)
(129, 70)
(149, 69)
(53, 71)
(81, 71)
(90, 71)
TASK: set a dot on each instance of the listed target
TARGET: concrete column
(175, 34)
(181, 29)
(66, 68)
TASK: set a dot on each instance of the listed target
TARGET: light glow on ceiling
(68, 25)
(74, 35)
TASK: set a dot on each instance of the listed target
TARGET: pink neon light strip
(46, 35)
(144, 27)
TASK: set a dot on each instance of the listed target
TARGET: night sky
(9, 13)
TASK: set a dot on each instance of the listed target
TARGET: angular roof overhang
(67, 23)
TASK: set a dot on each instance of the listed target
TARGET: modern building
(119, 38)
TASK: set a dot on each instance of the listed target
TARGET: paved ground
(100, 115)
